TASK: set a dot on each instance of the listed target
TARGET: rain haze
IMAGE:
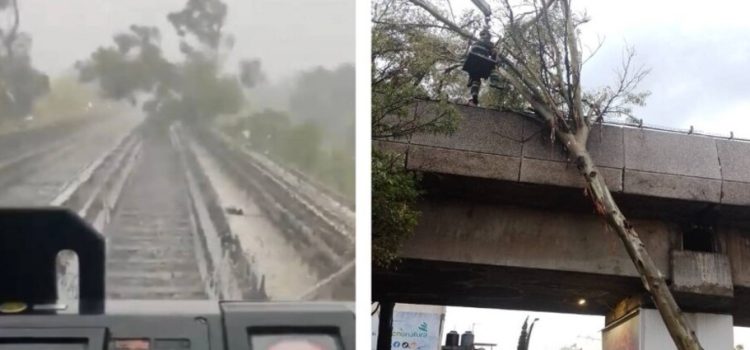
(219, 132)
(286, 35)
(698, 56)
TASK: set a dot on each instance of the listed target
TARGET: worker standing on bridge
(479, 64)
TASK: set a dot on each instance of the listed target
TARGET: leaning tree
(20, 83)
(193, 88)
(525, 337)
(539, 54)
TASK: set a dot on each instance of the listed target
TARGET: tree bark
(10, 39)
(652, 279)
(385, 325)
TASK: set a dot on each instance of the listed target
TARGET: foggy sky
(287, 35)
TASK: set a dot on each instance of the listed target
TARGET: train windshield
(211, 142)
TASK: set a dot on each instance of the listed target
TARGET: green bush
(394, 195)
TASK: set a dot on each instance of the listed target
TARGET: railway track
(42, 164)
(33, 139)
(93, 195)
(144, 199)
(54, 167)
(320, 234)
(135, 193)
(151, 240)
(337, 211)
(167, 234)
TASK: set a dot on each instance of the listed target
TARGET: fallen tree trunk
(652, 279)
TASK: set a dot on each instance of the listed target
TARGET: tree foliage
(67, 97)
(415, 58)
(135, 64)
(193, 88)
(20, 83)
(327, 98)
(323, 99)
(411, 60)
(250, 73)
(297, 144)
(202, 20)
(524, 338)
(394, 195)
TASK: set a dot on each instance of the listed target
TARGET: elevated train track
(320, 229)
(167, 234)
(37, 165)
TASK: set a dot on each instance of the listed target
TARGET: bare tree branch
(411, 25)
(593, 52)
(575, 108)
(435, 13)
(10, 38)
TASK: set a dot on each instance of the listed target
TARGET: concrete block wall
(702, 273)
(518, 237)
(506, 146)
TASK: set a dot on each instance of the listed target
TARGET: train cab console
(32, 318)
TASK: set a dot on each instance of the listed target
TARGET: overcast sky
(287, 35)
(699, 57)
(502, 327)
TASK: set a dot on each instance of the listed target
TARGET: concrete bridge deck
(505, 223)
(634, 161)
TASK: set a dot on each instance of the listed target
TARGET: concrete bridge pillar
(644, 329)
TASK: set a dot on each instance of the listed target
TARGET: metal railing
(689, 131)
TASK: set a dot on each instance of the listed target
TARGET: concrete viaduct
(505, 224)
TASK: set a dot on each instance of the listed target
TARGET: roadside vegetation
(314, 136)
